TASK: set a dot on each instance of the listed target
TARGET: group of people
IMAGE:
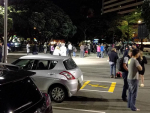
(54, 49)
(88, 48)
(134, 69)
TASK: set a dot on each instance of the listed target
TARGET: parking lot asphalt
(100, 93)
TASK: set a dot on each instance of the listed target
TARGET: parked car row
(22, 82)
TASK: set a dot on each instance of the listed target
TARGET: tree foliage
(32, 17)
(126, 24)
(10, 24)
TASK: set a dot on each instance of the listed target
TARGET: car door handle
(51, 73)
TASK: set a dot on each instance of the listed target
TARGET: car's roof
(54, 57)
(7, 76)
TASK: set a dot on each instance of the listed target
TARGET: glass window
(24, 63)
(42, 65)
(70, 64)
(53, 64)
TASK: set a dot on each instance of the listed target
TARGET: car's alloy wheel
(58, 93)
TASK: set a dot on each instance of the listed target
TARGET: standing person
(52, 49)
(102, 50)
(1, 52)
(82, 51)
(85, 50)
(112, 62)
(70, 49)
(89, 49)
(142, 60)
(40, 47)
(74, 51)
(57, 51)
(98, 51)
(63, 50)
(109, 48)
(28, 48)
(106, 49)
(34, 49)
(126, 51)
(125, 75)
(134, 46)
(133, 79)
(45, 48)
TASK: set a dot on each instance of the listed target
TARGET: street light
(139, 22)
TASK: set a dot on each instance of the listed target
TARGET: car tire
(58, 93)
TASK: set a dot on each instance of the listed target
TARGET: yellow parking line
(86, 83)
(112, 87)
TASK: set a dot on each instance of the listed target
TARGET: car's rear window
(70, 64)
(18, 94)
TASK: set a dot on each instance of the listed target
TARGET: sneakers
(142, 85)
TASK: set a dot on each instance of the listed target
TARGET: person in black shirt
(142, 60)
(112, 62)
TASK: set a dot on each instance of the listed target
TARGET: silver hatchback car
(59, 76)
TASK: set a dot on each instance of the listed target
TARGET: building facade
(120, 6)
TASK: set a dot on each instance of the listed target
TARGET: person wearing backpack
(125, 75)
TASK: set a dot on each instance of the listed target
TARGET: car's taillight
(68, 75)
(48, 101)
(46, 104)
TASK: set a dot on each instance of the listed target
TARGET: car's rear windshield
(18, 94)
(69, 64)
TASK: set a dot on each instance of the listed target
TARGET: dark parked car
(19, 94)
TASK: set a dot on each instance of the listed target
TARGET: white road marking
(83, 110)
(95, 91)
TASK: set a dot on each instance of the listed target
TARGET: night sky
(77, 9)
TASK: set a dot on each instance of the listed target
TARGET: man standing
(70, 49)
(109, 48)
(89, 49)
(102, 50)
(28, 48)
(0, 52)
(133, 79)
(134, 46)
(112, 62)
(125, 75)
(63, 49)
(82, 51)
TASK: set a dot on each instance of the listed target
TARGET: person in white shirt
(45, 48)
(63, 50)
(70, 49)
(57, 51)
(28, 48)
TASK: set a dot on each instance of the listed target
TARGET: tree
(32, 17)
(10, 24)
(126, 24)
(146, 13)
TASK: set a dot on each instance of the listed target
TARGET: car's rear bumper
(74, 86)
